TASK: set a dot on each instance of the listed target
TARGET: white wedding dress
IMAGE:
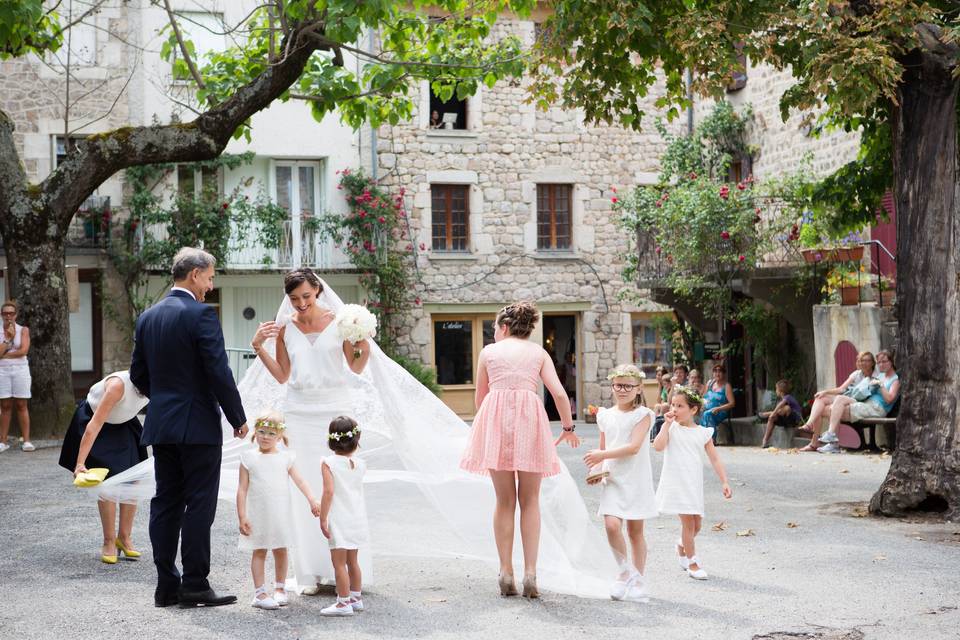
(420, 503)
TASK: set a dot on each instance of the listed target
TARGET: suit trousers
(183, 510)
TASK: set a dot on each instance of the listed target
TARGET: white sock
(355, 594)
(343, 600)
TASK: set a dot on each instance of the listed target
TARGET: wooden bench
(861, 427)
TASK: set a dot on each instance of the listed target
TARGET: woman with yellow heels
(105, 432)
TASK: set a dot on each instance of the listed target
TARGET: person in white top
(624, 459)
(15, 378)
(264, 507)
(343, 514)
(105, 432)
(680, 490)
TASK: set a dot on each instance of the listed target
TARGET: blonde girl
(264, 506)
(681, 480)
(627, 492)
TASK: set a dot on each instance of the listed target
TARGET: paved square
(832, 573)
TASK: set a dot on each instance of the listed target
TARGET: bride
(309, 359)
(421, 504)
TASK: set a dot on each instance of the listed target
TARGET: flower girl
(622, 464)
(264, 508)
(681, 480)
(343, 514)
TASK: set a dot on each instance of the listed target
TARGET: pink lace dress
(511, 431)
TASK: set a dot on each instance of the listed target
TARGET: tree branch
(183, 47)
(102, 155)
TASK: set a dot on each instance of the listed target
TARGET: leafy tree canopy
(846, 57)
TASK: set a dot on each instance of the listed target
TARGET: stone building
(510, 203)
(116, 79)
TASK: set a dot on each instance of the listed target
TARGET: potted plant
(888, 291)
(590, 413)
(820, 247)
(846, 278)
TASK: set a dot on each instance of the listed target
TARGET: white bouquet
(355, 323)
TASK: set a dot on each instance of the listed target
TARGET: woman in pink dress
(511, 438)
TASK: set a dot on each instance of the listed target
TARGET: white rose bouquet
(355, 323)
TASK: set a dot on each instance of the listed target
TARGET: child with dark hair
(680, 490)
(343, 514)
(787, 413)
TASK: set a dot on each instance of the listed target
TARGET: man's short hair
(188, 259)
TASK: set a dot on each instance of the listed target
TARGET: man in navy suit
(180, 363)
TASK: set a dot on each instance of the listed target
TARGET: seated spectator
(883, 395)
(666, 389)
(718, 400)
(680, 373)
(695, 382)
(855, 383)
(787, 412)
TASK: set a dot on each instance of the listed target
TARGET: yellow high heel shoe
(128, 554)
(108, 559)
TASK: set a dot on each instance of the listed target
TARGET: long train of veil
(432, 508)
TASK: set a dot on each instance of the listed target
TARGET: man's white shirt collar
(172, 289)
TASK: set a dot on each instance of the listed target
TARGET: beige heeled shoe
(530, 587)
(507, 585)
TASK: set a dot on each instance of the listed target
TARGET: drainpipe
(690, 99)
(373, 130)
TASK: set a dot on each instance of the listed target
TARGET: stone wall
(783, 146)
(508, 148)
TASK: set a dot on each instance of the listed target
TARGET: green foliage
(706, 229)
(375, 236)
(26, 26)
(455, 53)
(161, 222)
(427, 376)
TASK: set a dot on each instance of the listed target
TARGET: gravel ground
(810, 568)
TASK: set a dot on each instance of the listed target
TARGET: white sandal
(681, 558)
(267, 603)
(696, 574)
(280, 594)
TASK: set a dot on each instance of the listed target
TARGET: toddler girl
(264, 508)
(628, 489)
(681, 480)
(343, 514)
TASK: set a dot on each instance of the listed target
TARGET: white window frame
(295, 208)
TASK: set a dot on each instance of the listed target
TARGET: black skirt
(116, 448)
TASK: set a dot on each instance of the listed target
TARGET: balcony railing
(89, 229)
(309, 249)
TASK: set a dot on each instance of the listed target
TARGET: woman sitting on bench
(823, 400)
(885, 392)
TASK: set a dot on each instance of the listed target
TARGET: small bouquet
(592, 409)
(355, 323)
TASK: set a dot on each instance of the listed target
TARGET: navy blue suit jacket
(180, 363)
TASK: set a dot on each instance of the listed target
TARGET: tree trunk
(925, 470)
(36, 267)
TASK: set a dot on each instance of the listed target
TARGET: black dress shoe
(208, 598)
(161, 599)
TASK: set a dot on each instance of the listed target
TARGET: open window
(449, 114)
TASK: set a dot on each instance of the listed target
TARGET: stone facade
(509, 148)
(782, 147)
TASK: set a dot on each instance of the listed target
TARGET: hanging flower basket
(833, 254)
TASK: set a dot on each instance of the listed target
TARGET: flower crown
(627, 372)
(336, 435)
(688, 393)
(269, 423)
